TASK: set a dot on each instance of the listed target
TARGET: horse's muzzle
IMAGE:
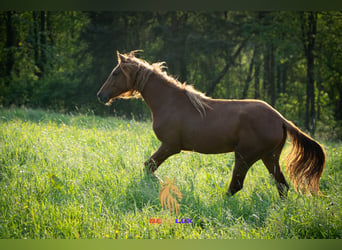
(101, 98)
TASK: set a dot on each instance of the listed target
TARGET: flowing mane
(144, 70)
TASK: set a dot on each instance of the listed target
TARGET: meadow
(81, 176)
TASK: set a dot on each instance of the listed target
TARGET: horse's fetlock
(234, 189)
(151, 165)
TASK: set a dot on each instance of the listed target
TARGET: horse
(185, 119)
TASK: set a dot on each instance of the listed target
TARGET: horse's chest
(166, 131)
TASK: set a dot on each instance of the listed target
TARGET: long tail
(306, 160)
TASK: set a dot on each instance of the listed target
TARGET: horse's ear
(121, 57)
(118, 56)
(132, 53)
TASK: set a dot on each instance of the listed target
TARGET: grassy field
(81, 176)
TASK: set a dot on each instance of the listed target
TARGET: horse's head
(121, 81)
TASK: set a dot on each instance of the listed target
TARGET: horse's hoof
(228, 194)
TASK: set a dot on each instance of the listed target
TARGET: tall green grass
(81, 176)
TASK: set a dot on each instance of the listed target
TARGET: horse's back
(230, 123)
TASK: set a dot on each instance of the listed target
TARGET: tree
(10, 45)
(60, 59)
(329, 59)
(229, 63)
(309, 30)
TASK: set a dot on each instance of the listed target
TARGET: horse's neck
(157, 93)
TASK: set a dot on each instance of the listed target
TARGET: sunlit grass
(81, 176)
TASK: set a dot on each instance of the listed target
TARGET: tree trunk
(10, 44)
(43, 45)
(284, 77)
(249, 76)
(319, 87)
(35, 44)
(309, 29)
(271, 76)
(339, 102)
(178, 60)
(266, 79)
(278, 79)
(257, 76)
(49, 26)
(230, 61)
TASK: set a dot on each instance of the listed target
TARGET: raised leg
(159, 157)
(271, 162)
(242, 165)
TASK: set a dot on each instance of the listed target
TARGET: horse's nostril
(101, 98)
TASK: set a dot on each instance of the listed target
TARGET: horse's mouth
(110, 101)
(105, 100)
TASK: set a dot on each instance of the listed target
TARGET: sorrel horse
(186, 119)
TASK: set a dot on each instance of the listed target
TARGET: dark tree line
(292, 60)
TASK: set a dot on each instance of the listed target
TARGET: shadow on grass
(141, 192)
(216, 211)
(222, 211)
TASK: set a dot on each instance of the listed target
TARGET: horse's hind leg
(271, 161)
(241, 166)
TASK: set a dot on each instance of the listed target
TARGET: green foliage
(289, 105)
(81, 177)
(59, 59)
(56, 93)
(45, 72)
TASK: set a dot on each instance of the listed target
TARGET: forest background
(58, 60)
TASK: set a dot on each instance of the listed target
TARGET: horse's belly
(213, 150)
(209, 145)
(212, 136)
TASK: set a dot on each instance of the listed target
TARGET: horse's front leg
(159, 157)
